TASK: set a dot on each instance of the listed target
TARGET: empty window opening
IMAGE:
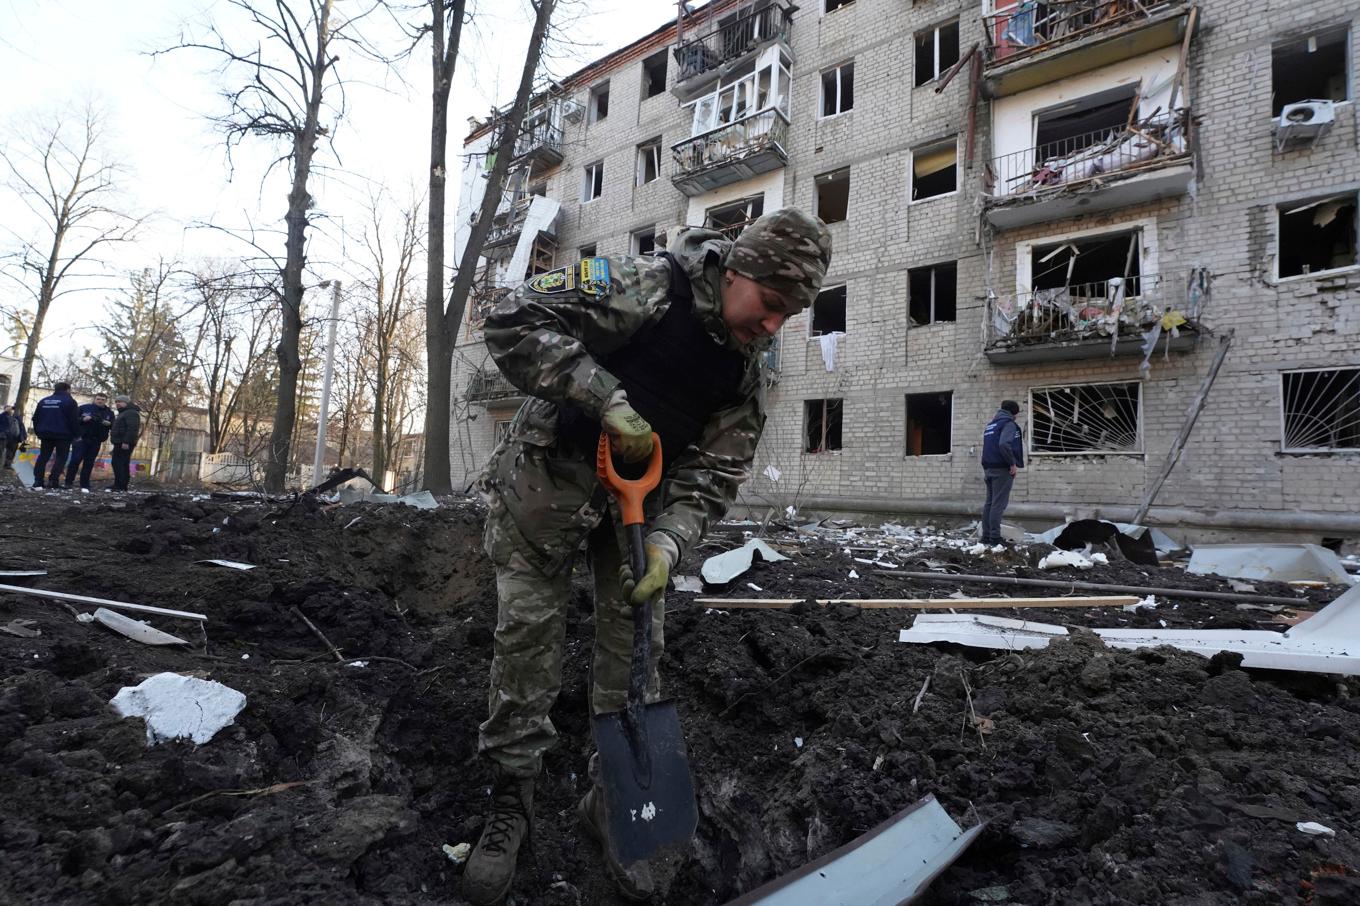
(1085, 418)
(648, 161)
(1321, 410)
(1086, 266)
(587, 251)
(1310, 69)
(937, 49)
(930, 419)
(828, 312)
(599, 102)
(1317, 235)
(654, 74)
(734, 216)
(1076, 125)
(934, 171)
(838, 90)
(592, 186)
(644, 241)
(831, 6)
(833, 195)
(823, 425)
(933, 293)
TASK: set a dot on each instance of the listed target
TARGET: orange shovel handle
(630, 494)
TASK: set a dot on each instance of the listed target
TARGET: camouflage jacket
(545, 338)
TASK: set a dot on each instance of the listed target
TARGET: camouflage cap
(788, 251)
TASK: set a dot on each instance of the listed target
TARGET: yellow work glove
(653, 581)
(630, 435)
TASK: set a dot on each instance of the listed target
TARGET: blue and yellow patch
(591, 277)
(595, 276)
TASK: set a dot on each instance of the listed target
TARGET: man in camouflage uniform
(626, 346)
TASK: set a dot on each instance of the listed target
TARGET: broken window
(599, 102)
(1086, 418)
(828, 312)
(648, 161)
(500, 430)
(593, 184)
(1321, 410)
(587, 251)
(734, 216)
(654, 74)
(934, 170)
(1061, 131)
(644, 241)
(833, 195)
(1317, 235)
(830, 6)
(1310, 69)
(838, 90)
(933, 293)
(930, 419)
(823, 425)
(937, 49)
(1087, 265)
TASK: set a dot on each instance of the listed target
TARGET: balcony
(1091, 320)
(726, 46)
(539, 145)
(1097, 171)
(481, 300)
(488, 385)
(1033, 44)
(731, 153)
(507, 227)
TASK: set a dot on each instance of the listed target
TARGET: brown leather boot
(634, 882)
(491, 867)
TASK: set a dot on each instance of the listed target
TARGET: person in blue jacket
(96, 420)
(1003, 454)
(12, 435)
(56, 421)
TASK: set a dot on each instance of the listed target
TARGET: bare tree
(442, 317)
(58, 172)
(287, 81)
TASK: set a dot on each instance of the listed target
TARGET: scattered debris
(134, 629)
(1138, 548)
(1141, 536)
(1059, 559)
(1240, 586)
(229, 564)
(687, 583)
(21, 573)
(950, 603)
(1313, 829)
(457, 854)
(723, 568)
(180, 707)
(1107, 587)
(83, 599)
(1273, 562)
(771, 472)
(892, 863)
(423, 500)
(22, 628)
(1149, 602)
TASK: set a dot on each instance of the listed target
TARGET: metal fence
(731, 41)
(490, 384)
(731, 142)
(1158, 140)
(1030, 27)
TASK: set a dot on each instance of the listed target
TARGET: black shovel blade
(648, 802)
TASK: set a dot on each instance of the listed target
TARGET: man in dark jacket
(127, 427)
(12, 434)
(96, 420)
(1003, 454)
(56, 421)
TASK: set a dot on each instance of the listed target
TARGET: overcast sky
(57, 53)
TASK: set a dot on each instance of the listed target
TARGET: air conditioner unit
(1306, 120)
(572, 111)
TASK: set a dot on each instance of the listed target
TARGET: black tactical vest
(675, 374)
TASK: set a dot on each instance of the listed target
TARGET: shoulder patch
(561, 280)
(594, 279)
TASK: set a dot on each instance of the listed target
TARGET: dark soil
(1105, 777)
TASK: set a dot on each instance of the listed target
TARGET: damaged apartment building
(1095, 207)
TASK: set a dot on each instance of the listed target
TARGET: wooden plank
(924, 603)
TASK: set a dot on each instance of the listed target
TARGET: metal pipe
(1101, 586)
(318, 458)
(141, 608)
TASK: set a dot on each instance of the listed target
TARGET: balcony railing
(1029, 28)
(487, 384)
(1108, 317)
(543, 139)
(1159, 140)
(763, 135)
(508, 224)
(731, 41)
(481, 300)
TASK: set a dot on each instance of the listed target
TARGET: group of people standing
(71, 435)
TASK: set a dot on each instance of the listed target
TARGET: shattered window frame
(642, 242)
(500, 429)
(1300, 208)
(1311, 409)
(648, 161)
(828, 417)
(592, 186)
(1075, 432)
(944, 398)
(1282, 60)
(658, 64)
(828, 297)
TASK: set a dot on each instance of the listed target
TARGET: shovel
(644, 771)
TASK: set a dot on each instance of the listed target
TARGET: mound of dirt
(1104, 776)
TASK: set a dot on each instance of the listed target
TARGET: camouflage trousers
(526, 670)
